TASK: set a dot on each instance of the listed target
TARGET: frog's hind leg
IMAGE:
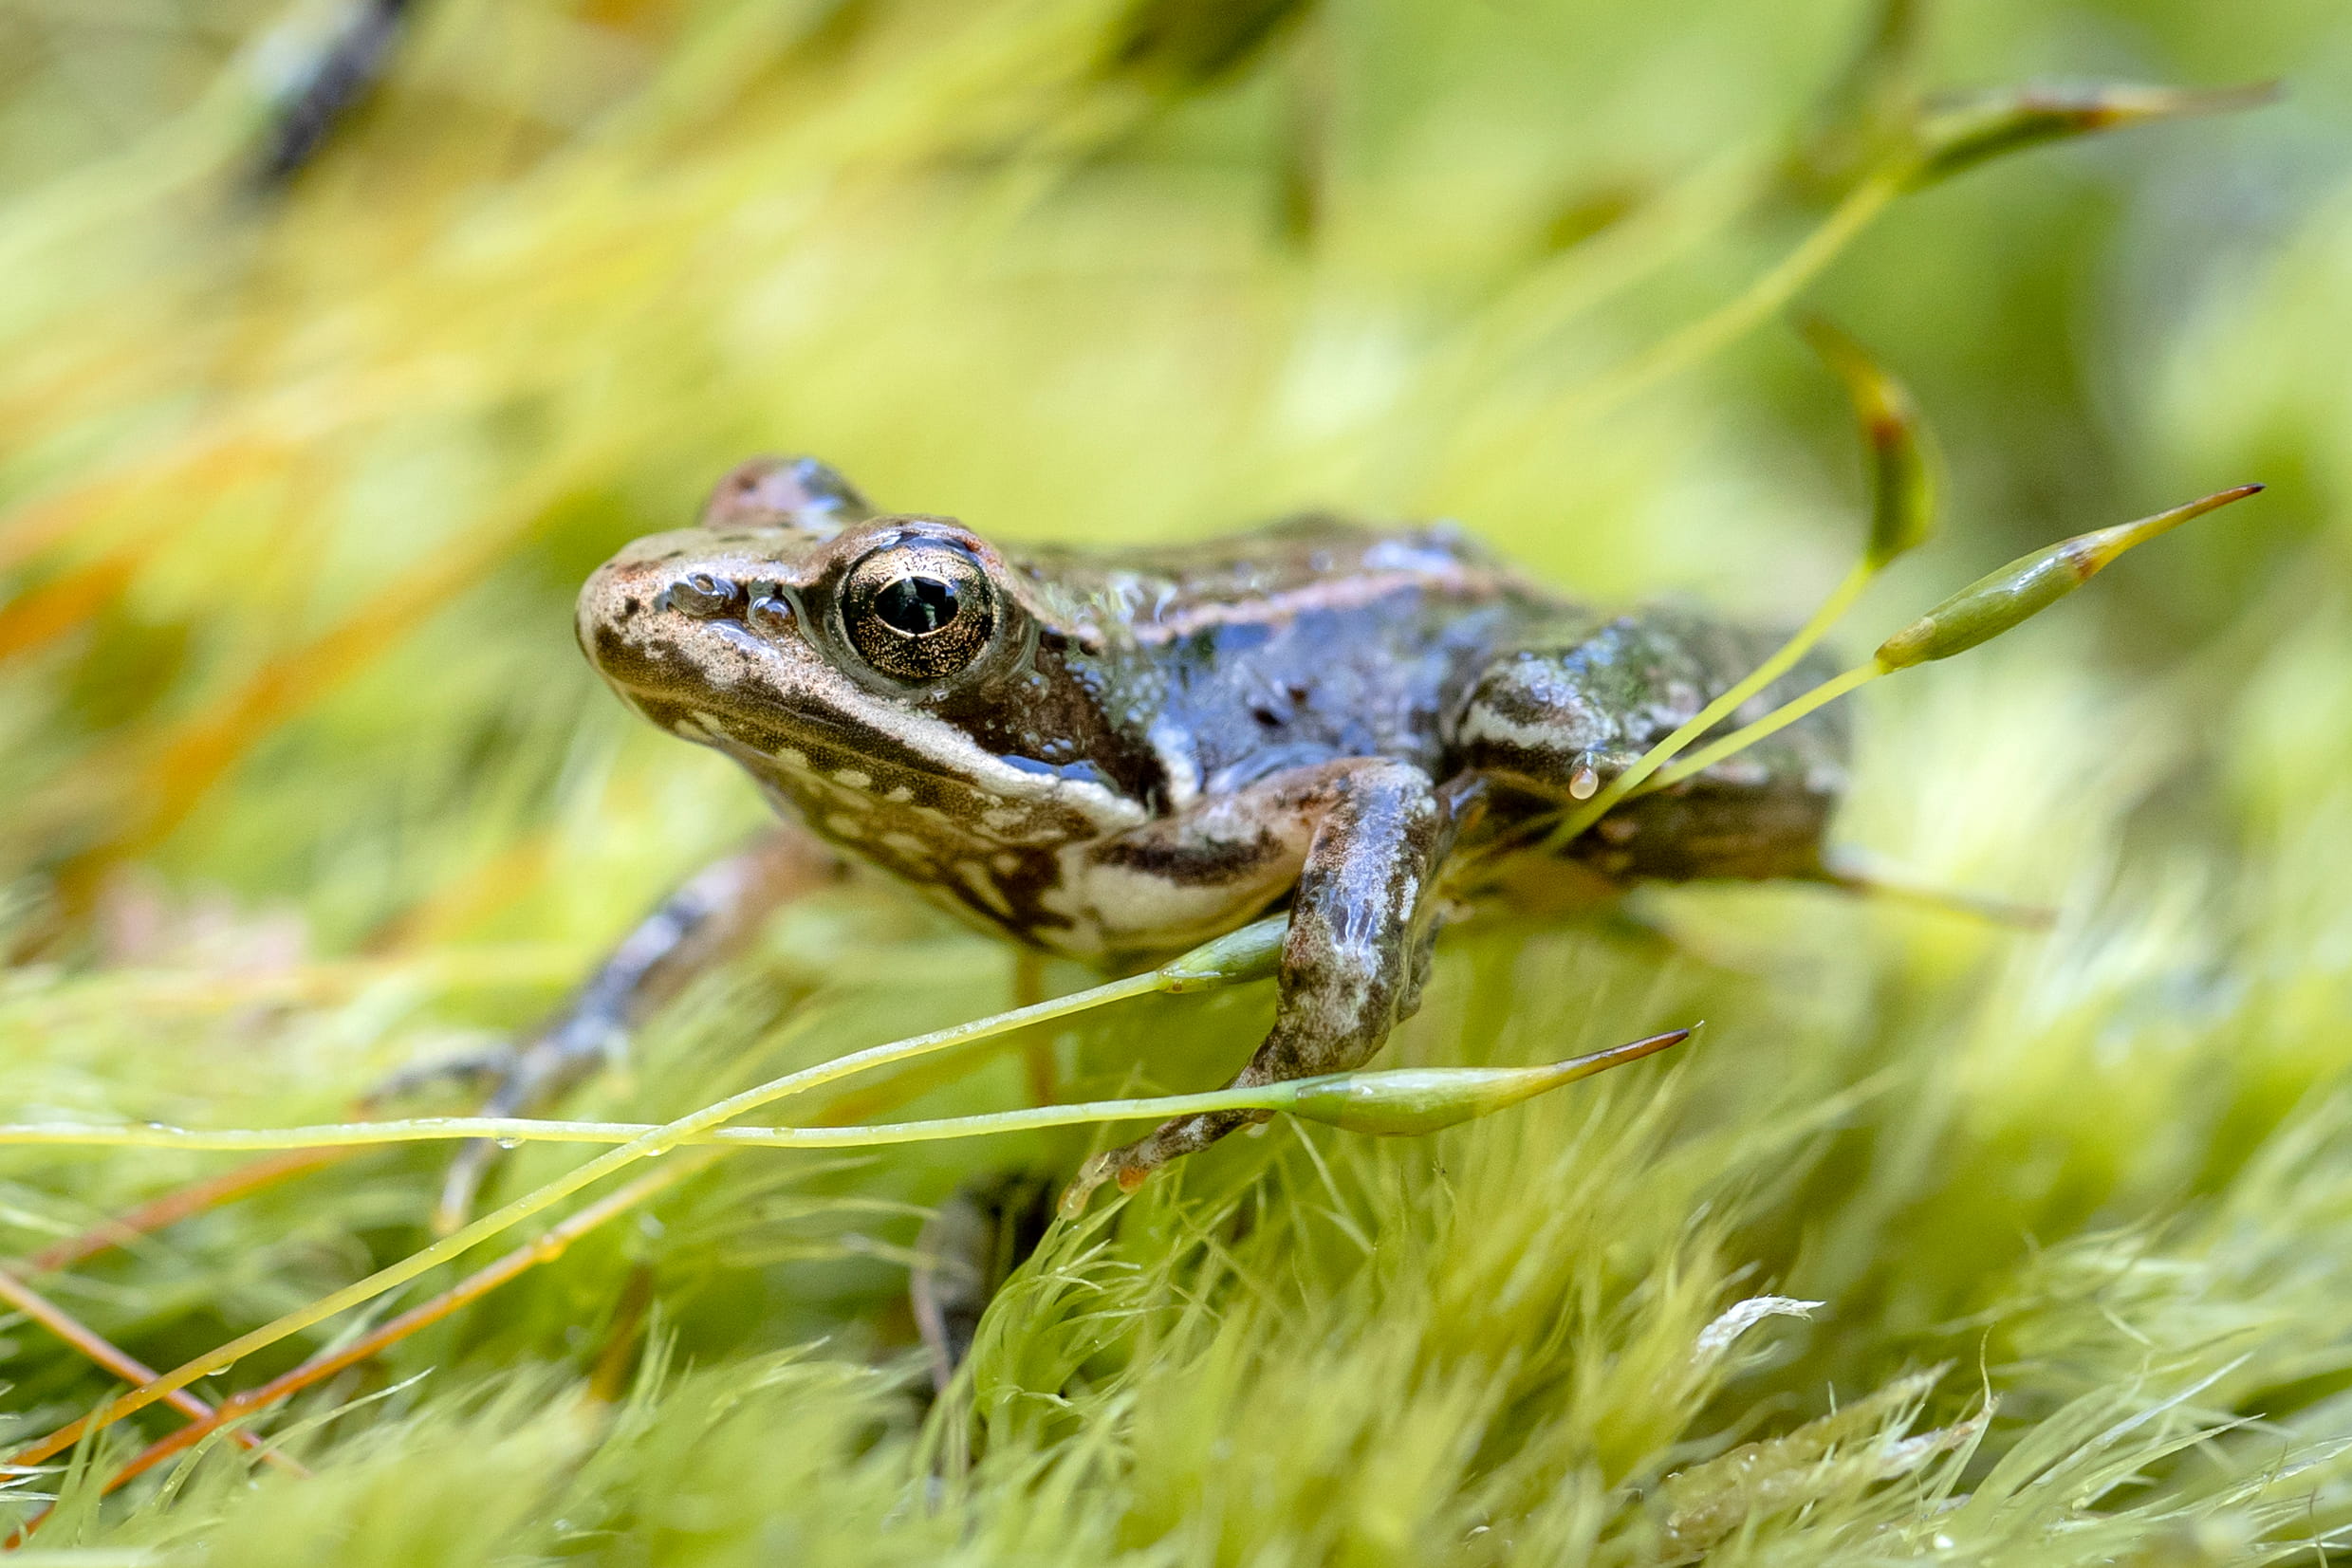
(1550, 725)
(702, 924)
(1356, 952)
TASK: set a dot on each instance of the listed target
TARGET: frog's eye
(919, 610)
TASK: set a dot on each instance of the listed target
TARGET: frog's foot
(581, 1041)
(1131, 1166)
(478, 1070)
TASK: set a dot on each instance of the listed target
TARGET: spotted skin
(1151, 748)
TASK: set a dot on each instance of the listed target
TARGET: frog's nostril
(702, 595)
(769, 615)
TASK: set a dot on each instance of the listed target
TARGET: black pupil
(917, 605)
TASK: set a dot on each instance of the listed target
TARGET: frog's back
(1304, 640)
(1268, 562)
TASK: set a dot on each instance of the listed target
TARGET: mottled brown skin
(1116, 756)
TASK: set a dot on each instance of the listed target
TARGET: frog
(1113, 755)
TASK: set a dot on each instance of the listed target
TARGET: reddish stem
(472, 1288)
(107, 1354)
(181, 1203)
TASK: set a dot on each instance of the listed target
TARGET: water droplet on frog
(510, 1143)
(1583, 782)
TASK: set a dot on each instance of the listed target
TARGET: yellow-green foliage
(302, 780)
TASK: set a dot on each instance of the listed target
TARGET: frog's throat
(955, 786)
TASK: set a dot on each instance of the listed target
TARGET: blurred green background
(303, 780)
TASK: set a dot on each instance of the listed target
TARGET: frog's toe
(473, 1070)
(462, 1185)
(1122, 1166)
(532, 1077)
(514, 1080)
(1075, 1196)
(1129, 1167)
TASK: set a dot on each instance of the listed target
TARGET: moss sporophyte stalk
(1987, 607)
(1393, 1101)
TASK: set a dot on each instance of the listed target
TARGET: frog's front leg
(700, 925)
(1358, 949)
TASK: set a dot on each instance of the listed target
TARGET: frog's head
(889, 674)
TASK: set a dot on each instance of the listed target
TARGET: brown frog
(1112, 756)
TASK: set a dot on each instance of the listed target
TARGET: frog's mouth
(838, 751)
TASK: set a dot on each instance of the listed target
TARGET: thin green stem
(531, 1130)
(657, 1141)
(1800, 644)
(1778, 719)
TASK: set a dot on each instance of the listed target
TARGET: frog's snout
(692, 621)
(642, 615)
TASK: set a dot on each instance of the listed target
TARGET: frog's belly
(1113, 917)
(1099, 901)
(1117, 914)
